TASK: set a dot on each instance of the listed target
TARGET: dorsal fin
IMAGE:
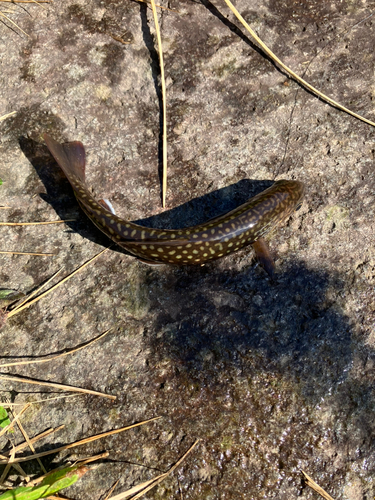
(69, 156)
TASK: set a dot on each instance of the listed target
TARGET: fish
(223, 235)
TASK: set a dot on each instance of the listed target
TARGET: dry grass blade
(28, 303)
(290, 72)
(82, 441)
(8, 19)
(15, 420)
(33, 254)
(164, 97)
(34, 223)
(4, 117)
(56, 386)
(65, 353)
(142, 488)
(310, 482)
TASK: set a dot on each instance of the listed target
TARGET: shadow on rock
(216, 324)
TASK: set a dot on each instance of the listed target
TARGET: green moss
(336, 213)
(225, 69)
(226, 442)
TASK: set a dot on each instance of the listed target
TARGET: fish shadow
(213, 321)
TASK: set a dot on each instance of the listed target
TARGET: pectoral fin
(107, 205)
(264, 257)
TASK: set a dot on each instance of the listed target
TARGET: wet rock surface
(272, 377)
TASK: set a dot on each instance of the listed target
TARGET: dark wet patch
(303, 12)
(32, 121)
(26, 70)
(107, 24)
(112, 61)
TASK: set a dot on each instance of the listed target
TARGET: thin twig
(290, 72)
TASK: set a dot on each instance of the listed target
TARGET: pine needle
(310, 482)
(45, 400)
(8, 466)
(27, 1)
(15, 420)
(8, 19)
(112, 490)
(28, 253)
(33, 440)
(4, 117)
(290, 72)
(32, 294)
(164, 97)
(39, 479)
(82, 441)
(34, 223)
(30, 445)
(63, 387)
(50, 358)
(28, 304)
(142, 488)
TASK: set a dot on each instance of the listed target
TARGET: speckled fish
(221, 236)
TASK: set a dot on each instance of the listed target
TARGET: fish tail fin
(69, 156)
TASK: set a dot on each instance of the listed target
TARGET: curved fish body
(221, 236)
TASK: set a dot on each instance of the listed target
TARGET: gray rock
(272, 377)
